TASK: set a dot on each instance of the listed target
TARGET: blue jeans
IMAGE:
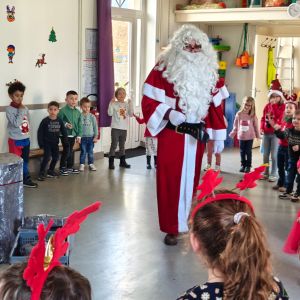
(270, 143)
(86, 148)
(246, 152)
(291, 174)
(282, 164)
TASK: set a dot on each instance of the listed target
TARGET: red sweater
(285, 124)
(276, 112)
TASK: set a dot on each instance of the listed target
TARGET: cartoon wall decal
(52, 36)
(10, 13)
(41, 61)
(11, 50)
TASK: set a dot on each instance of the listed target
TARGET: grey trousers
(117, 136)
(270, 143)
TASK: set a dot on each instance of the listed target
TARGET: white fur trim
(224, 92)
(187, 182)
(217, 99)
(218, 135)
(159, 95)
(276, 92)
(156, 123)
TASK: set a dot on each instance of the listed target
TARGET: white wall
(29, 33)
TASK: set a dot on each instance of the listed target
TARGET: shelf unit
(255, 15)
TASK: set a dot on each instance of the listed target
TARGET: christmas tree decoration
(41, 61)
(52, 36)
(11, 52)
(10, 13)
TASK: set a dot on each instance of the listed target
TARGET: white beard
(194, 76)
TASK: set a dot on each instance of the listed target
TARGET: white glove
(176, 117)
(218, 146)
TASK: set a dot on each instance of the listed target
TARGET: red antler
(209, 183)
(36, 274)
(249, 179)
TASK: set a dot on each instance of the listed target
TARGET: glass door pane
(121, 52)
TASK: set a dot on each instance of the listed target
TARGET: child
(62, 283)
(274, 110)
(120, 111)
(49, 131)
(89, 135)
(151, 144)
(246, 127)
(70, 115)
(18, 129)
(293, 137)
(282, 154)
(229, 240)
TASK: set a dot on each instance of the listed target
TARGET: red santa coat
(179, 156)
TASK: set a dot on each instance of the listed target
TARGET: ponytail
(246, 262)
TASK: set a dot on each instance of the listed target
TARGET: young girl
(274, 110)
(151, 144)
(231, 243)
(246, 127)
(62, 283)
(120, 111)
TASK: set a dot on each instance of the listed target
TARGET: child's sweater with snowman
(245, 126)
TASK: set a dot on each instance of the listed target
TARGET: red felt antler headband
(210, 181)
(40, 264)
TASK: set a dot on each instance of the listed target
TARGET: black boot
(111, 162)
(123, 163)
(155, 161)
(149, 162)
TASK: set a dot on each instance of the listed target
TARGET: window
(129, 4)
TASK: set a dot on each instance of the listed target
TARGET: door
(126, 36)
(259, 84)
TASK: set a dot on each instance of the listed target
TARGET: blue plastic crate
(28, 238)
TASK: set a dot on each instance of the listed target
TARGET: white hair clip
(237, 217)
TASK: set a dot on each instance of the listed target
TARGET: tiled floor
(120, 249)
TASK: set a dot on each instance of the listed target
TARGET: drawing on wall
(10, 52)
(41, 61)
(10, 13)
(52, 36)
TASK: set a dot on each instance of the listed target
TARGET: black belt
(196, 130)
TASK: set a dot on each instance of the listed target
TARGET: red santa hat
(276, 89)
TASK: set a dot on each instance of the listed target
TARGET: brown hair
(239, 251)
(248, 100)
(297, 112)
(118, 90)
(84, 100)
(53, 103)
(62, 283)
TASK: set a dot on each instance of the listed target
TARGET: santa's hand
(218, 146)
(176, 117)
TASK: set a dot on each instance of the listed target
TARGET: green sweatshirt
(72, 116)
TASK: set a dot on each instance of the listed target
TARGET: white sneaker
(207, 167)
(272, 178)
(81, 167)
(92, 167)
(217, 168)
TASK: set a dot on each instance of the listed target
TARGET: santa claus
(176, 98)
